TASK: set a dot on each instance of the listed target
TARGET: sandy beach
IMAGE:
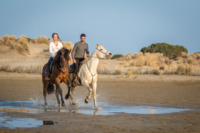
(140, 90)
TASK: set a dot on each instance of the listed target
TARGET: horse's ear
(97, 44)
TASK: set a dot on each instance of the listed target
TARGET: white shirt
(53, 49)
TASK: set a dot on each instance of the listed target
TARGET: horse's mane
(57, 59)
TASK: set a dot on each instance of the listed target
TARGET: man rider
(78, 54)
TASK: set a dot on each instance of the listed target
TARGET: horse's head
(102, 53)
(62, 57)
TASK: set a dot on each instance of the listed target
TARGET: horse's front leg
(69, 90)
(89, 94)
(70, 93)
(59, 91)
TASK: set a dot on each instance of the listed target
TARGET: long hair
(56, 34)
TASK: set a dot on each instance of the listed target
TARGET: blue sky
(121, 26)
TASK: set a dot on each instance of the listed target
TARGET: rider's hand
(74, 61)
(88, 56)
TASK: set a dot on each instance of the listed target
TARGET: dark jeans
(49, 66)
(77, 64)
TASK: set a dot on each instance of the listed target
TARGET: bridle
(61, 66)
(95, 57)
(91, 72)
(102, 51)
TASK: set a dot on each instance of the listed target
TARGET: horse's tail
(50, 88)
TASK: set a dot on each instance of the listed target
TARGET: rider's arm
(74, 50)
(51, 50)
(87, 50)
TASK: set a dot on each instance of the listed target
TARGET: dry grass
(128, 57)
(22, 69)
(42, 39)
(181, 70)
(22, 46)
(104, 71)
(189, 70)
(188, 64)
(129, 73)
(19, 45)
(68, 45)
(8, 41)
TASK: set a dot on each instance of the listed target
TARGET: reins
(90, 70)
(94, 57)
(61, 66)
(102, 51)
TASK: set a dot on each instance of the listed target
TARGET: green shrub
(156, 72)
(30, 40)
(168, 50)
(162, 68)
(118, 72)
(117, 56)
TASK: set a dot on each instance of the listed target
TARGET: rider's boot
(47, 76)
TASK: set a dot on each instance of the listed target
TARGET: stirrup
(47, 77)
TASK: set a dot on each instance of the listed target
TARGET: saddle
(72, 67)
(71, 71)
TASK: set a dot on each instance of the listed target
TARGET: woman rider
(54, 47)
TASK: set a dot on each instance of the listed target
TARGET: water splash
(36, 106)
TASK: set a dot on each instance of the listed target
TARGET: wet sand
(145, 90)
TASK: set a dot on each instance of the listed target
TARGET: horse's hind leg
(57, 95)
(94, 87)
(72, 99)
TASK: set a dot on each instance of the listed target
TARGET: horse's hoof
(97, 108)
(63, 105)
(86, 101)
(66, 97)
(73, 103)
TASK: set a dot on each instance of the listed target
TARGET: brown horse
(60, 73)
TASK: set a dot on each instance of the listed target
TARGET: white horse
(88, 74)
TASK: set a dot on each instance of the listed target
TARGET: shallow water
(36, 106)
(17, 122)
(13, 122)
(105, 108)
